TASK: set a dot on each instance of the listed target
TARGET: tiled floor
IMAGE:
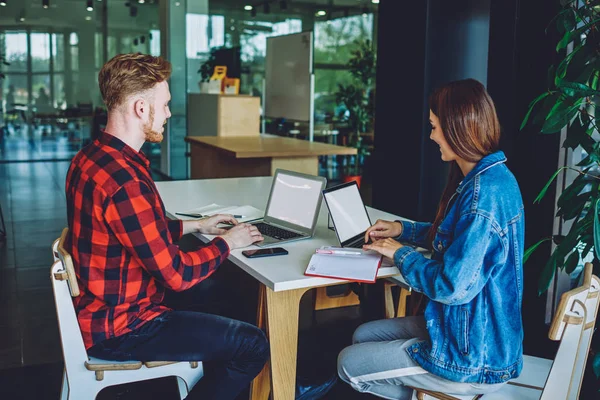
(33, 203)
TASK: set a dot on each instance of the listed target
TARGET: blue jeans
(232, 352)
(378, 362)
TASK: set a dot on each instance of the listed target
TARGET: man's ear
(140, 108)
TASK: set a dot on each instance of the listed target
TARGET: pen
(203, 216)
(340, 252)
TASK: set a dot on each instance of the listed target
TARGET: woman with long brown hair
(469, 340)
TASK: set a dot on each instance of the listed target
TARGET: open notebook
(249, 213)
(359, 267)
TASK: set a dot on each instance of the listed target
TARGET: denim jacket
(474, 279)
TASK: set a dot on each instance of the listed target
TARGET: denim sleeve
(415, 233)
(465, 267)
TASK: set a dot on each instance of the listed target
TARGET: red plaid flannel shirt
(122, 243)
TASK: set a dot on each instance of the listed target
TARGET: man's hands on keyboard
(242, 235)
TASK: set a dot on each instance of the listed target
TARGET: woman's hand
(383, 229)
(209, 225)
(385, 247)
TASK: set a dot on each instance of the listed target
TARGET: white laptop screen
(294, 199)
(347, 211)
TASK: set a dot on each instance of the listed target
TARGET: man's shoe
(307, 391)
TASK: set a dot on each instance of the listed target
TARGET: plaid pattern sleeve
(135, 220)
(176, 228)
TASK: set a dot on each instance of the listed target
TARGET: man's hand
(383, 229)
(242, 235)
(209, 225)
(385, 247)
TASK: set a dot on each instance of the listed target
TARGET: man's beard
(151, 135)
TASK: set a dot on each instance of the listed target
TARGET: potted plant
(358, 99)
(206, 70)
(572, 102)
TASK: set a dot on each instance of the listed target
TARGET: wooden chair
(561, 378)
(84, 377)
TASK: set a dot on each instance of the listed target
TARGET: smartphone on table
(268, 252)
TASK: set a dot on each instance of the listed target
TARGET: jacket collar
(487, 162)
(107, 139)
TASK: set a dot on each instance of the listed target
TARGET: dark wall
(399, 106)
(520, 54)
(456, 48)
(436, 42)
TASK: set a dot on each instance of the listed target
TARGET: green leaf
(597, 230)
(545, 188)
(576, 89)
(596, 364)
(547, 274)
(547, 105)
(572, 262)
(532, 105)
(569, 36)
(533, 248)
(574, 208)
(560, 117)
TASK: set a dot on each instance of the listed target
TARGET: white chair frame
(84, 377)
(561, 378)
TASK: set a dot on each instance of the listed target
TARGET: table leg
(282, 331)
(261, 385)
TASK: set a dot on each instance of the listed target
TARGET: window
(203, 33)
(40, 52)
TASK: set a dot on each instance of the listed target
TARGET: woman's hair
(470, 126)
(129, 74)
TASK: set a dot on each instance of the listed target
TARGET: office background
(419, 45)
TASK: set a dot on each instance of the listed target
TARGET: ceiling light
(90, 5)
(88, 18)
(375, 1)
(320, 13)
(45, 3)
(177, 4)
(3, 3)
(141, 1)
(247, 7)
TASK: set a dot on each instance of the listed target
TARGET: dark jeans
(233, 352)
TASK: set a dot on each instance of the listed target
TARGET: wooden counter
(234, 157)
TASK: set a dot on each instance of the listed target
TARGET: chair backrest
(62, 276)
(572, 325)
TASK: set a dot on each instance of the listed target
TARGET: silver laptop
(348, 213)
(292, 209)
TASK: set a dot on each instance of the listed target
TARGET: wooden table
(261, 155)
(282, 279)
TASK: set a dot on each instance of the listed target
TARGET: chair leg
(402, 303)
(389, 300)
(183, 389)
(64, 391)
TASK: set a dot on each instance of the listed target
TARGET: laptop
(348, 213)
(292, 209)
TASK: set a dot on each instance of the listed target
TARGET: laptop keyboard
(275, 232)
(357, 245)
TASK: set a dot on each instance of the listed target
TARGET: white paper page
(361, 268)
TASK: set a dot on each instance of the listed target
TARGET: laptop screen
(295, 199)
(347, 211)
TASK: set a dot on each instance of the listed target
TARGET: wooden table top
(269, 146)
